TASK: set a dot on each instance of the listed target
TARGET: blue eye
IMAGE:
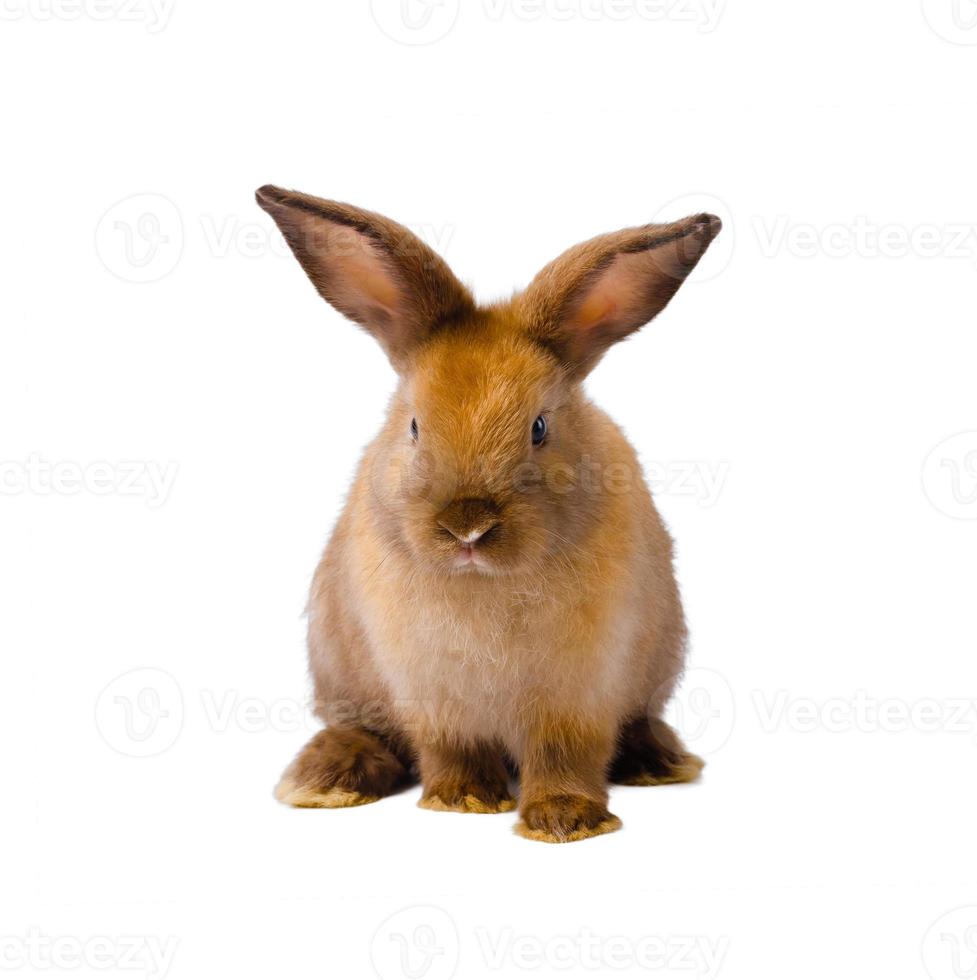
(539, 430)
(413, 428)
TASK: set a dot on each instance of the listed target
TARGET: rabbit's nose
(469, 518)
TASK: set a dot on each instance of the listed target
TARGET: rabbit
(497, 597)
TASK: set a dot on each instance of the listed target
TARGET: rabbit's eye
(539, 430)
(413, 429)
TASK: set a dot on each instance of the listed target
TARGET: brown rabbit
(498, 593)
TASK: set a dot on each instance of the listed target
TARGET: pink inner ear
(367, 276)
(596, 308)
(358, 274)
(617, 289)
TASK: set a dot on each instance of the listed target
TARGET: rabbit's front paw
(468, 796)
(562, 818)
(464, 779)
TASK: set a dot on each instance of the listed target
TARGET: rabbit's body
(498, 592)
(597, 638)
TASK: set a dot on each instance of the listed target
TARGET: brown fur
(343, 767)
(649, 753)
(555, 639)
(468, 779)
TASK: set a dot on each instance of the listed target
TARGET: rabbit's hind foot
(341, 768)
(650, 753)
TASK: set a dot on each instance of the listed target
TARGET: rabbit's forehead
(482, 382)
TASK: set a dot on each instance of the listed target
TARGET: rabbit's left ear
(598, 292)
(371, 269)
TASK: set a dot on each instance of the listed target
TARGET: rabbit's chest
(488, 670)
(472, 669)
(481, 653)
(484, 659)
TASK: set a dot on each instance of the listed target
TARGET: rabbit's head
(491, 456)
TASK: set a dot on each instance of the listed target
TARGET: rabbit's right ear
(370, 268)
(600, 291)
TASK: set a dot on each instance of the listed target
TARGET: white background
(795, 400)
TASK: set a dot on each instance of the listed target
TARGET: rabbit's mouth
(470, 558)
